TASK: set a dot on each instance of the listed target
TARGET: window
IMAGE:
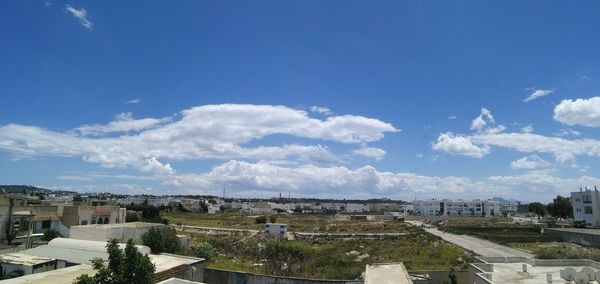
(45, 224)
(588, 209)
(587, 199)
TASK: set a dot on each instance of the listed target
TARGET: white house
(586, 206)
(275, 229)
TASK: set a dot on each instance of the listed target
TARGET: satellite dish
(568, 274)
(590, 273)
(581, 278)
(597, 275)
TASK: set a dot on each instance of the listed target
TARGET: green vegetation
(560, 250)
(204, 250)
(329, 259)
(296, 222)
(124, 267)
(49, 235)
(561, 207)
(162, 239)
(260, 220)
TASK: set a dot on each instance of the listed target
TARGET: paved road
(477, 245)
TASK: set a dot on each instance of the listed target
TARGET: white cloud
(263, 179)
(370, 152)
(584, 112)
(134, 101)
(459, 145)
(481, 121)
(452, 117)
(123, 122)
(323, 110)
(204, 132)
(538, 93)
(529, 162)
(567, 132)
(479, 144)
(527, 128)
(80, 14)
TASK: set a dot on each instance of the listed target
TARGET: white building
(275, 230)
(447, 207)
(586, 206)
(357, 207)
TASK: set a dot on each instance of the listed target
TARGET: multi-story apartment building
(447, 207)
(586, 206)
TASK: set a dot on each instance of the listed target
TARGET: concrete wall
(577, 238)
(194, 272)
(217, 276)
(103, 233)
(441, 276)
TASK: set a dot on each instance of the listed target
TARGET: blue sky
(348, 99)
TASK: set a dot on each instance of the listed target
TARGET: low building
(275, 229)
(18, 264)
(357, 207)
(104, 232)
(586, 207)
(71, 252)
(447, 207)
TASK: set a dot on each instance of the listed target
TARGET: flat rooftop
(23, 259)
(63, 275)
(121, 225)
(513, 273)
(388, 273)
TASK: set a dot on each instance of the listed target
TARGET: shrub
(161, 240)
(273, 218)
(260, 220)
(50, 235)
(204, 250)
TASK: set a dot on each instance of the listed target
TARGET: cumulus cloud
(204, 132)
(459, 145)
(81, 15)
(529, 162)
(319, 109)
(478, 144)
(538, 93)
(527, 128)
(370, 152)
(584, 112)
(263, 179)
(481, 121)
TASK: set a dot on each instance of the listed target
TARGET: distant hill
(28, 189)
(506, 201)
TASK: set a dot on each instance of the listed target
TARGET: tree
(10, 231)
(273, 218)
(561, 207)
(132, 216)
(162, 239)
(124, 266)
(204, 250)
(260, 220)
(151, 214)
(537, 208)
(203, 207)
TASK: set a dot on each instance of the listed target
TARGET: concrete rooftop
(513, 273)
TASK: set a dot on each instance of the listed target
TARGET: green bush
(204, 250)
(260, 220)
(273, 218)
(162, 239)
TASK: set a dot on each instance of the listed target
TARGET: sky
(331, 99)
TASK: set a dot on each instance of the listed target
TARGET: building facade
(586, 207)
